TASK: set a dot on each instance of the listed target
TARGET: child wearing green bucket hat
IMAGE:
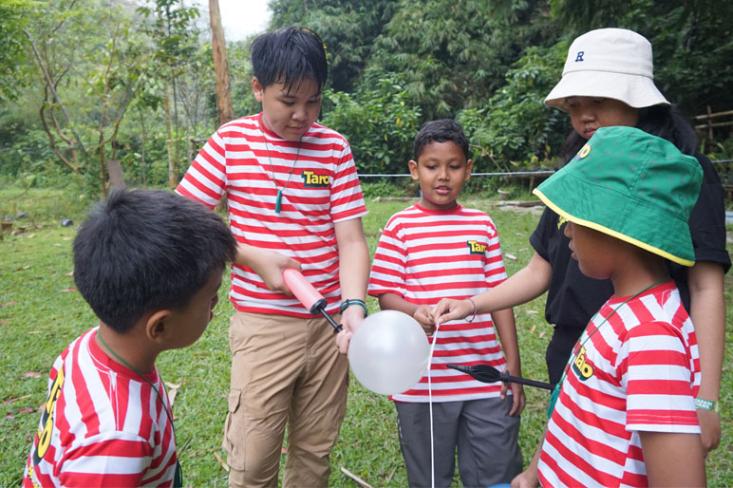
(608, 80)
(624, 411)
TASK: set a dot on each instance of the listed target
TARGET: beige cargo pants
(285, 371)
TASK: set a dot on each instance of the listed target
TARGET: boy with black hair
(625, 414)
(149, 263)
(294, 201)
(434, 249)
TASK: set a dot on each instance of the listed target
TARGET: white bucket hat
(609, 63)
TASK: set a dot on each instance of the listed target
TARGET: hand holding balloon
(389, 352)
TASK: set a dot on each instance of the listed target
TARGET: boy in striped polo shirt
(625, 414)
(293, 201)
(431, 250)
(149, 263)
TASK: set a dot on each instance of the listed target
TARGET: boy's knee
(252, 444)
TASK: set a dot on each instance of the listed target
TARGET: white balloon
(389, 352)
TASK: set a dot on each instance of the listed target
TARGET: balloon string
(430, 405)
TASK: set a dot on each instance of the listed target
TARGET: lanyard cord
(178, 481)
(279, 197)
(556, 391)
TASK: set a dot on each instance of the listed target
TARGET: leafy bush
(379, 122)
(393, 187)
(514, 130)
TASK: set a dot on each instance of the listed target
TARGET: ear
(412, 164)
(156, 328)
(257, 89)
(469, 169)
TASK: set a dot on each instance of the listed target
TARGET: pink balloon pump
(311, 299)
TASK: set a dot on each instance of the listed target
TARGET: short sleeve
(205, 180)
(494, 269)
(707, 220)
(347, 201)
(654, 366)
(388, 267)
(540, 238)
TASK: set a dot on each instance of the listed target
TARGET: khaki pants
(285, 370)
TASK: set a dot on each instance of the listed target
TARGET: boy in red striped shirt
(431, 250)
(625, 414)
(293, 201)
(149, 263)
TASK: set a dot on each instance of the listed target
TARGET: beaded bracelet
(353, 301)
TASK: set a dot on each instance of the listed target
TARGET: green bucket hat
(632, 186)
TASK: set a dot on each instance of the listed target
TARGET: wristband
(353, 301)
(710, 405)
(473, 313)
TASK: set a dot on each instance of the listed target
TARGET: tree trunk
(170, 143)
(218, 48)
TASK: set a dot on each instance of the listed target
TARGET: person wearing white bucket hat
(609, 63)
(608, 81)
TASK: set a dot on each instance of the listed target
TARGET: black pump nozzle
(489, 374)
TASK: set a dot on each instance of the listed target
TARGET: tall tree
(219, 52)
(84, 130)
(14, 17)
(171, 27)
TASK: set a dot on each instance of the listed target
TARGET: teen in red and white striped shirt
(149, 263)
(437, 249)
(250, 164)
(293, 201)
(424, 255)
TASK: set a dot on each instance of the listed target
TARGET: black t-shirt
(573, 298)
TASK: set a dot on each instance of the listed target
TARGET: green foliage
(515, 130)
(692, 41)
(397, 187)
(454, 54)
(169, 23)
(14, 17)
(348, 29)
(379, 122)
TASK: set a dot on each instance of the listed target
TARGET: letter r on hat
(579, 56)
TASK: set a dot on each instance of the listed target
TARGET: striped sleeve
(655, 369)
(206, 178)
(494, 267)
(347, 201)
(388, 266)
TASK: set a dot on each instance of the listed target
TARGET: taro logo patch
(581, 366)
(313, 179)
(476, 247)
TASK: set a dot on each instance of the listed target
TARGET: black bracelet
(353, 301)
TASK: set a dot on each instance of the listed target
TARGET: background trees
(83, 81)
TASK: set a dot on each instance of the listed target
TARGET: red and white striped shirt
(425, 255)
(102, 425)
(639, 371)
(250, 164)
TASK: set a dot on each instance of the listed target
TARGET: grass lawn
(40, 312)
